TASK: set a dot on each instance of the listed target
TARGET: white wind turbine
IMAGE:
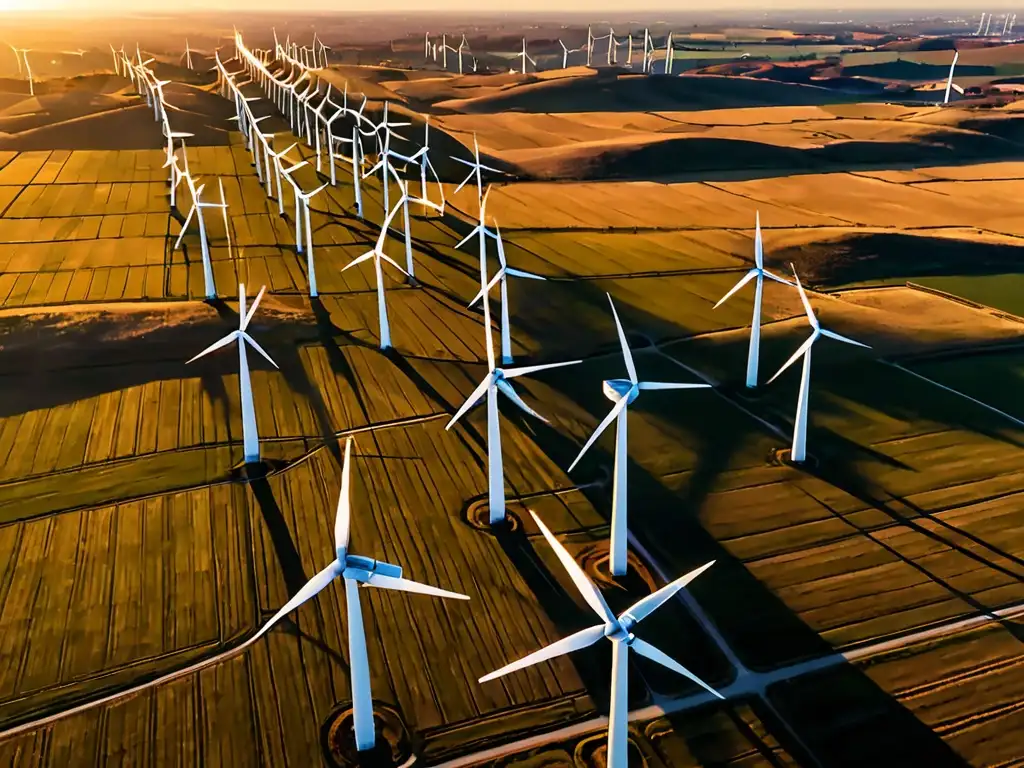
(187, 55)
(619, 630)
(28, 71)
(497, 380)
(17, 56)
(565, 54)
(622, 392)
(357, 571)
(476, 167)
(305, 197)
(758, 273)
(526, 57)
(950, 85)
(500, 275)
(197, 211)
(799, 450)
(377, 254)
(981, 25)
(250, 437)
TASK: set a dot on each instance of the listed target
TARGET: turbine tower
(619, 630)
(799, 451)
(357, 571)
(497, 380)
(526, 57)
(949, 81)
(759, 273)
(500, 275)
(622, 392)
(250, 437)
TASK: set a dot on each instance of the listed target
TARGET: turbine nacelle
(617, 389)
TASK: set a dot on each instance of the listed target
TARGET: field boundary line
(974, 400)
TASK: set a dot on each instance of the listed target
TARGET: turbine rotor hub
(618, 631)
(616, 389)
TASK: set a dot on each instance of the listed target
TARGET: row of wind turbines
(363, 571)
(358, 571)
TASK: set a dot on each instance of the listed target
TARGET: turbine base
(393, 747)
(783, 457)
(477, 515)
(636, 582)
(247, 471)
(592, 752)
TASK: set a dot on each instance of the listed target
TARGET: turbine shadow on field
(280, 535)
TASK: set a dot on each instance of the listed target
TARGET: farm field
(143, 555)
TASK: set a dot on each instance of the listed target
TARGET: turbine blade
(257, 347)
(512, 395)
(758, 244)
(803, 297)
(358, 259)
(311, 589)
(393, 263)
(742, 281)
(520, 273)
(643, 608)
(837, 337)
(803, 348)
(600, 428)
(575, 642)
(649, 651)
(670, 385)
(342, 531)
(511, 373)
(490, 285)
(471, 400)
(467, 238)
(586, 587)
(407, 585)
(252, 309)
(216, 345)
(622, 341)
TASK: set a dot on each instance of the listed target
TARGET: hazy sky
(483, 7)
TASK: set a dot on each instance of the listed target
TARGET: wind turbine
(622, 392)
(28, 71)
(526, 57)
(949, 82)
(799, 450)
(425, 165)
(197, 211)
(187, 55)
(619, 630)
(377, 254)
(981, 25)
(357, 571)
(758, 273)
(497, 380)
(476, 166)
(17, 56)
(250, 437)
(500, 275)
(565, 54)
(305, 197)
(988, 23)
